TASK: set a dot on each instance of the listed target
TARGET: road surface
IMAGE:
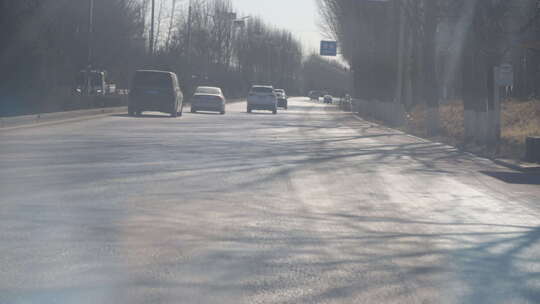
(307, 206)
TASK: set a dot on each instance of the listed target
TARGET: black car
(155, 91)
(328, 99)
(314, 95)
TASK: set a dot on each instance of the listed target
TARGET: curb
(518, 166)
(511, 164)
(38, 120)
(29, 121)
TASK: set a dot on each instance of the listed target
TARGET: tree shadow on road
(522, 178)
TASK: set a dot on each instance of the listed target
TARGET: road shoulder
(508, 163)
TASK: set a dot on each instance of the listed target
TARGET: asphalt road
(307, 206)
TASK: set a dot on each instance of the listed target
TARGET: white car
(208, 99)
(262, 98)
(282, 98)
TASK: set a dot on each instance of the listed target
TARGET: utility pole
(89, 59)
(188, 45)
(90, 31)
(151, 49)
(401, 46)
(190, 79)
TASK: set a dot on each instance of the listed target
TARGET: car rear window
(206, 97)
(208, 90)
(151, 79)
(265, 90)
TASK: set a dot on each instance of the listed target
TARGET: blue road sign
(328, 48)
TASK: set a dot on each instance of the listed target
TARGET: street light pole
(151, 48)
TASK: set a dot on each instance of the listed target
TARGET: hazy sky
(299, 16)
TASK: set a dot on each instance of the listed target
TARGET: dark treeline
(45, 43)
(426, 51)
(331, 76)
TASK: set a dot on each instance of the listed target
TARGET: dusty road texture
(307, 206)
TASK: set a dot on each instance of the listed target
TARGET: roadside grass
(520, 119)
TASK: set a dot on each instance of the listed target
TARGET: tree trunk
(430, 87)
(481, 98)
(468, 70)
(171, 24)
(158, 31)
(492, 132)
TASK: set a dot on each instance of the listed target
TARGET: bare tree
(453, 43)
(171, 23)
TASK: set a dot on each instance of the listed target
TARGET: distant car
(208, 99)
(328, 99)
(155, 91)
(314, 95)
(282, 98)
(347, 99)
(262, 98)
